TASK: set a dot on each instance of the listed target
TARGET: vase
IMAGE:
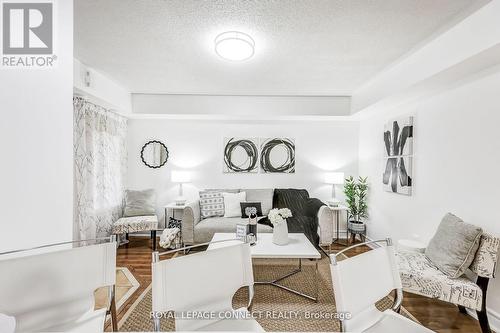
(280, 233)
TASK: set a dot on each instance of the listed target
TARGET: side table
(173, 209)
(336, 216)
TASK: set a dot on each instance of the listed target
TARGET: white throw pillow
(232, 203)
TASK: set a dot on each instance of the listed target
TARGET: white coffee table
(299, 247)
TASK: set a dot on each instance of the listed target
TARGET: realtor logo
(27, 29)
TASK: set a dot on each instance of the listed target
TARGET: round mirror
(154, 154)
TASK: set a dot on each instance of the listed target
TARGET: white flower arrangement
(278, 216)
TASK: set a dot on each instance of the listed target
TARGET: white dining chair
(361, 281)
(204, 283)
(7, 324)
(54, 291)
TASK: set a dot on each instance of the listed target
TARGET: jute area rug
(270, 302)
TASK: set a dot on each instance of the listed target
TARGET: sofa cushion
(454, 245)
(205, 229)
(420, 276)
(264, 196)
(211, 204)
(227, 190)
(139, 203)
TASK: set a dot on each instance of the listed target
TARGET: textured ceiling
(315, 47)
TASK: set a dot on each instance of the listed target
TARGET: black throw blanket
(304, 211)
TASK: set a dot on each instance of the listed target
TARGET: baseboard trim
(493, 318)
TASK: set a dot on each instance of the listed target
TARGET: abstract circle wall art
(241, 155)
(277, 155)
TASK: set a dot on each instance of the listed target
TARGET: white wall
(101, 90)
(36, 141)
(197, 146)
(456, 165)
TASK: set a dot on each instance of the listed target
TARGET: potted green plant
(355, 192)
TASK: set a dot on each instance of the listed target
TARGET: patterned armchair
(420, 276)
(138, 215)
(128, 225)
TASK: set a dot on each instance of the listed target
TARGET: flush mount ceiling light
(234, 45)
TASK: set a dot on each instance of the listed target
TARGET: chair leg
(482, 315)
(126, 236)
(398, 301)
(462, 309)
(153, 239)
(483, 321)
(156, 324)
(112, 308)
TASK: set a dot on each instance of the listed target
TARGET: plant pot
(356, 226)
(280, 234)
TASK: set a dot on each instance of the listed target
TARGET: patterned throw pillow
(211, 204)
(174, 223)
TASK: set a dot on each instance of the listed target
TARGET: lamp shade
(181, 177)
(336, 178)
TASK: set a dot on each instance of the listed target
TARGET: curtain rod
(87, 99)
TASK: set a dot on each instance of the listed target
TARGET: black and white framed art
(241, 155)
(249, 155)
(398, 155)
(277, 155)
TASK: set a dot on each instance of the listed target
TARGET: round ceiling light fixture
(234, 46)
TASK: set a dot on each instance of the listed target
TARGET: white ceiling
(314, 47)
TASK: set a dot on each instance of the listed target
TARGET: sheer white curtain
(99, 168)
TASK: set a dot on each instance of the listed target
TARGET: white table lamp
(180, 177)
(334, 178)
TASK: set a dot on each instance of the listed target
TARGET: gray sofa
(196, 230)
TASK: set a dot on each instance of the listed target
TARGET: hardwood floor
(436, 315)
(136, 256)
